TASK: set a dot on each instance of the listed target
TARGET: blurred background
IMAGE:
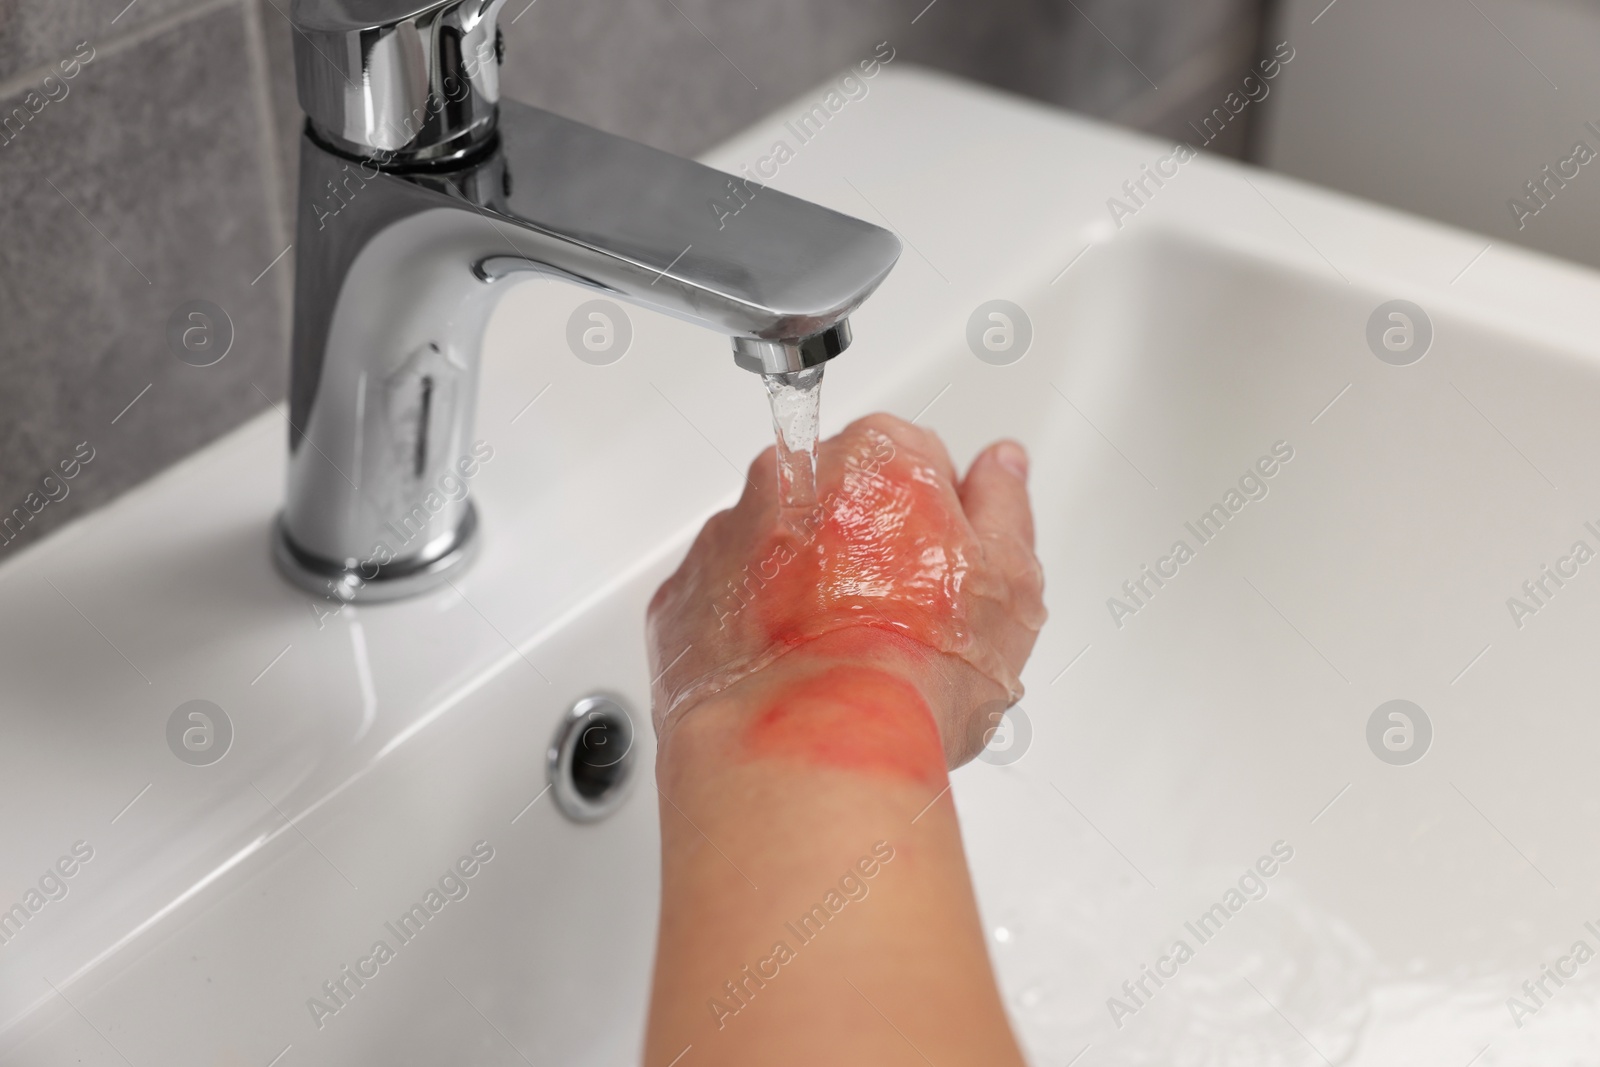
(162, 169)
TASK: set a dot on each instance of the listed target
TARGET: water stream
(796, 399)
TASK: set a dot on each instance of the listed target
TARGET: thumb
(995, 493)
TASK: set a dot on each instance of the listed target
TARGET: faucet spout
(401, 261)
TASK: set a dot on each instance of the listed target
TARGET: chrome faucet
(421, 192)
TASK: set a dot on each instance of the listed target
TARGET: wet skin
(818, 674)
(889, 547)
(853, 718)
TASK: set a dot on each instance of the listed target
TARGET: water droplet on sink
(1031, 997)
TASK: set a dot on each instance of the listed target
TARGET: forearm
(816, 905)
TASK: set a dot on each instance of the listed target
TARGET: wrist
(860, 699)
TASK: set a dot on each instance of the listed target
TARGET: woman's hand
(818, 673)
(901, 569)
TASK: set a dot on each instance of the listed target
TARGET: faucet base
(371, 583)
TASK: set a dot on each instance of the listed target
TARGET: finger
(995, 493)
(920, 444)
(932, 448)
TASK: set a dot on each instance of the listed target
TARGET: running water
(796, 399)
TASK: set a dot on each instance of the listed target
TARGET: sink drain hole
(590, 762)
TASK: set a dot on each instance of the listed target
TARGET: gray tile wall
(160, 170)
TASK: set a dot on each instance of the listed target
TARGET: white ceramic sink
(1168, 754)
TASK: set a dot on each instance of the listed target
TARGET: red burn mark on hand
(855, 719)
(888, 548)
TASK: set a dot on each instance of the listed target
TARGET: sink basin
(1214, 363)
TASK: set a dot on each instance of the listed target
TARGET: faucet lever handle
(398, 80)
